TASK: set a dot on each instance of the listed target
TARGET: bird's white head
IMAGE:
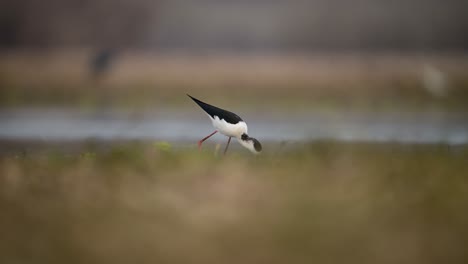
(250, 143)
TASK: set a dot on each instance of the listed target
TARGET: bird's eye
(244, 137)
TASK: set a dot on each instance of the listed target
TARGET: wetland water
(175, 126)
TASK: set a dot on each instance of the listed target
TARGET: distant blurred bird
(101, 63)
(434, 80)
(228, 124)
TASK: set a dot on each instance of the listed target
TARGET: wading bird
(230, 125)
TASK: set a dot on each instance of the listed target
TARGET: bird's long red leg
(229, 141)
(205, 138)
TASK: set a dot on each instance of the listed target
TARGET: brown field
(369, 81)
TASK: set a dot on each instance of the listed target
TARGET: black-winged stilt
(230, 125)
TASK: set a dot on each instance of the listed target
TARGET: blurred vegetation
(321, 202)
(294, 82)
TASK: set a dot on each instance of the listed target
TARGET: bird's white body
(227, 129)
(233, 130)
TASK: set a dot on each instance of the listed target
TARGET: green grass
(325, 202)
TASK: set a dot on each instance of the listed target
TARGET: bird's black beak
(257, 145)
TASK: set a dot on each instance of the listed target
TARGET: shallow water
(175, 125)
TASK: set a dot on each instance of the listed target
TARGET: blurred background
(361, 107)
(377, 63)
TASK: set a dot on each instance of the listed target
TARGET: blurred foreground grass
(323, 202)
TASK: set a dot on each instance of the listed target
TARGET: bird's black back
(216, 111)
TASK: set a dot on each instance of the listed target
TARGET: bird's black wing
(216, 111)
